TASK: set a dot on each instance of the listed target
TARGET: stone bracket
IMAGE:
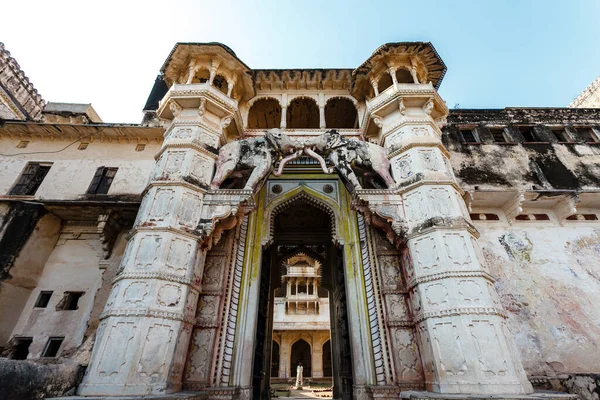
(566, 207)
(514, 206)
(109, 226)
(220, 210)
(383, 211)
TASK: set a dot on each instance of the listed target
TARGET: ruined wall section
(548, 278)
(518, 164)
(27, 236)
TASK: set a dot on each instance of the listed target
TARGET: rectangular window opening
(469, 135)
(21, 348)
(561, 135)
(102, 180)
(140, 147)
(587, 134)
(498, 135)
(43, 299)
(31, 179)
(82, 146)
(52, 346)
(70, 301)
(528, 133)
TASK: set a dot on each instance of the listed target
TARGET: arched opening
(301, 355)
(302, 274)
(302, 113)
(404, 76)
(340, 113)
(327, 371)
(220, 83)
(201, 76)
(275, 360)
(384, 82)
(264, 114)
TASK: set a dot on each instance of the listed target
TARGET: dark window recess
(561, 135)
(484, 217)
(583, 217)
(498, 135)
(587, 134)
(52, 346)
(528, 134)
(43, 299)
(532, 217)
(69, 302)
(102, 180)
(469, 135)
(30, 179)
(21, 348)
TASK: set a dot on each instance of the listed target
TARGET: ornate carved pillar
(142, 341)
(464, 338)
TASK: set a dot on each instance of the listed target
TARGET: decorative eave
(179, 59)
(589, 91)
(317, 79)
(118, 133)
(423, 51)
(18, 87)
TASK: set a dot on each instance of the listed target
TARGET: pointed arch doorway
(304, 224)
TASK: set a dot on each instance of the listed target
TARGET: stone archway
(355, 364)
(302, 353)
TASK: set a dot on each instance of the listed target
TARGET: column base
(542, 395)
(173, 396)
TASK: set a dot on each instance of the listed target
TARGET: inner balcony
(303, 116)
(190, 95)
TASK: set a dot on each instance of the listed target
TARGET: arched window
(220, 83)
(404, 76)
(384, 82)
(327, 369)
(264, 114)
(340, 113)
(201, 76)
(303, 113)
(275, 360)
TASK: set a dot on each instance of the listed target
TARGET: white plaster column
(322, 117)
(375, 88)
(392, 72)
(143, 337)
(283, 124)
(465, 342)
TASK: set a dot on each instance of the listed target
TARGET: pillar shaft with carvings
(142, 342)
(464, 338)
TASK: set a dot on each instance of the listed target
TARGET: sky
(503, 53)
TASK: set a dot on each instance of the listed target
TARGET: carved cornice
(460, 311)
(163, 276)
(187, 145)
(168, 229)
(147, 313)
(450, 274)
(411, 145)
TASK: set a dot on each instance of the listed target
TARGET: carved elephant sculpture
(345, 153)
(258, 154)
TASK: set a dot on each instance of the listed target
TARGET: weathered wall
(548, 279)
(72, 266)
(72, 170)
(25, 380)
(26, 245)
